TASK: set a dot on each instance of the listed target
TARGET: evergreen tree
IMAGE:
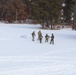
(47, 11)
(68, 10)
(74, 10)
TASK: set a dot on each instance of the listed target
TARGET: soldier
(46, 38)
(39, 33)
(52, 39)
(40, 37)
(33, 35)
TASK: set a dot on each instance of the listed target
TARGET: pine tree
(68, 10)
(45, 12)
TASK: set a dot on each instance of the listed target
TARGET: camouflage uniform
(40, 37)
(46, 38)
(33, 35)
(52, 39)
(39, 33)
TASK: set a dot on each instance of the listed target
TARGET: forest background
(44, 12)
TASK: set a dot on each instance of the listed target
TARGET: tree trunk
(51, 24)
(42, 25)
(47, 24)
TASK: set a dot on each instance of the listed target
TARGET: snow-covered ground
(19, 55)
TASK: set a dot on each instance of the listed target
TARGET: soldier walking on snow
(39, 33)
(46, 38)
(40, 37)
(52, 39)
(33, 35)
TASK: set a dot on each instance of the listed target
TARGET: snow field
(19, 55)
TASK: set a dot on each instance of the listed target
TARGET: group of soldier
(40, 37)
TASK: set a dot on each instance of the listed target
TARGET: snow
(19, 55)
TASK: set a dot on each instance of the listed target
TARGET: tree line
(45, 12)
(12, 10)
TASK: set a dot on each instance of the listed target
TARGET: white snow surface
(19, 55)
